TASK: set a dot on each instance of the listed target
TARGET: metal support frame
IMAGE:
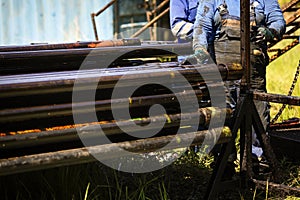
(152, 14)
(292, 25)
(245, 116)
(242, 121)
(93, 15)
(148, 14)
(150, 23)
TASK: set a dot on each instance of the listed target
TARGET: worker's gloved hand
(265, 34)
(201, 56)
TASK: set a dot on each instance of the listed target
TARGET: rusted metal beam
(280, 52)
(160, 6)
(275, 187)
(292, 30)
(246, 162)
(155, 19)
(105, 7)
(286, 36)
(264, 140)
(94, 26)
(277, 98)
(245, 44)
(289, 5)
(107, 151)
(153, 13)
(290, 22)
(294, 17)
(291, 36)
(93, 15)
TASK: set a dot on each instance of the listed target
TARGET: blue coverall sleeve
(180, 26)
(203, 27)
(274, 17)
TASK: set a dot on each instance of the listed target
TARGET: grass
(280, 75)
(187, 178)
(96, 181)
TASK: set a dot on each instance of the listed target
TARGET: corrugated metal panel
(52, 21)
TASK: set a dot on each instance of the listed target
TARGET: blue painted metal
(52, 21)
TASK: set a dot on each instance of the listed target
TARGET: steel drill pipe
(20, 85)
(91, 130)
(62, 98)
(58, 110)
(91, 44)
(107, 151)
(71, 59)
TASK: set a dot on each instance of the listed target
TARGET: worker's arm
(274, 18)
(203, 30)
(180, 25)
(203, 27)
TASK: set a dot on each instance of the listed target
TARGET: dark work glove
(265, 34)
(201, 56)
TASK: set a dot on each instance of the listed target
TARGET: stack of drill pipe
(34, 90)
(26, 99)
(36, 108)
(41, 141)
(21, 85)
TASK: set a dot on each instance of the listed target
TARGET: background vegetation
(280, 75)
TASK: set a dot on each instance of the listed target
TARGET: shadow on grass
(187, 178)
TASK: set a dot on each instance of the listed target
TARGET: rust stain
(54, 128)
(198, 30)
(205, 11)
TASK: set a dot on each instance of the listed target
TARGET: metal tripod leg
(264, 141)
(246, 116)
(215, 184)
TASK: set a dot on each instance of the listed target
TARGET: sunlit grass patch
(280, 75)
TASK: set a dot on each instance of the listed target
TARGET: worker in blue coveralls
(182, 19)
(216, 36)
